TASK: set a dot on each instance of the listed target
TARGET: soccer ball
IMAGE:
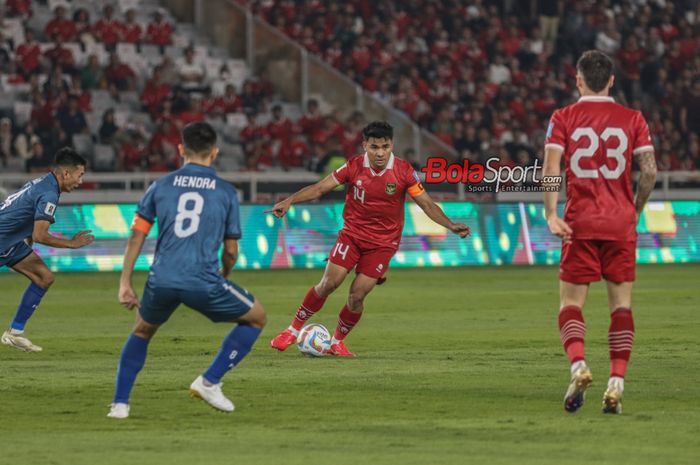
(314, 340)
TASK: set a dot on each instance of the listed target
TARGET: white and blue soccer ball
(314, 340)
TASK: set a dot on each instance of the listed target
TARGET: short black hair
(595, 68)
(378, 130)
(198, 137)
(68, 158)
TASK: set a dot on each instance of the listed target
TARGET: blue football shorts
(224, 301)
(14, 254)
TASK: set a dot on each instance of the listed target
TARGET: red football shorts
(585, 260)
(367, 258)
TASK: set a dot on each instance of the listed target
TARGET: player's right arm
(552, 167)
(554, 146)
(306, 194)
(139, 231)
(141, 226)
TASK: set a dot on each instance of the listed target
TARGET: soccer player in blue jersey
(196, 212)
(25, 217)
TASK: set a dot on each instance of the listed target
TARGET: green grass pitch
(455, 366)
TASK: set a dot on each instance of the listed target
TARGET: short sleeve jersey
(598, 138)
(36, 200)
(196, 211)
(374, 202)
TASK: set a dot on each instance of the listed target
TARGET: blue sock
(234, 348)
(130, 363)
(30, 301)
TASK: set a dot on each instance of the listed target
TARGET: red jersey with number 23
(598, 137)
(374, 202)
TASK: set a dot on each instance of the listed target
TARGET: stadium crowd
(484, 76)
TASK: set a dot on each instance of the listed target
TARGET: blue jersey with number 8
(196, 211)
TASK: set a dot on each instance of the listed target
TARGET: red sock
(572, 330)
(620, 338)
(346, 321)
(312, 303)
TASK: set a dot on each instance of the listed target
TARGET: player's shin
(30, 301)
(620, 339)
(312, 303)
(572, 330)
(235, 347)
(131, 362)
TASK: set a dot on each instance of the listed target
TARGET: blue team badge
(390, 188)
(549, 129)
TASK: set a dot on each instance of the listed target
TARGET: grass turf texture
(455, 366)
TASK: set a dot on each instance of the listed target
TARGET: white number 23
(617, 153)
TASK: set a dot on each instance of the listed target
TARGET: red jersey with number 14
(598, 137)
(374, 202)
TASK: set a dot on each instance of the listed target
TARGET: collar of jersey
(595, 98)
(389, 165)
(197, 165)
(55, 180)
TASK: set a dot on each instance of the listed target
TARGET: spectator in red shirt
(76, 90)
(81, 18)
(108, 30)
(155, 92)
(119, 74)
(293, 153)
(159, 31)
(280, 128)
(61, 56)
(60, 26)
(132, 30)
(193, 113)
(312, 120)
(28, 54)
(21, 8)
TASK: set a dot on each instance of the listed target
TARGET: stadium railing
(297, 74)
(267, 187)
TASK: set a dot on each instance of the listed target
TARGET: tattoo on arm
(647, 179)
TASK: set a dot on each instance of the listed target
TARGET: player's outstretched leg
(312, 303)
(236, 345)
(620, 340)
(34, 268)
(333, 276)
(572, 330)
(131, 361)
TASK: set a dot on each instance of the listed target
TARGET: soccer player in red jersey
(373, 220)
(598, 140)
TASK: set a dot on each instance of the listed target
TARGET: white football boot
(212, 395)
(16, 340)
(118, 410)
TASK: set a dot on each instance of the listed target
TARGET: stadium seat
(82, 143)
(23, 111)
(104, 157)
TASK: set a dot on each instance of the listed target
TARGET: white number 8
(183, 213)
(617, 153)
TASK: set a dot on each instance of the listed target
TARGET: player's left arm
(229, 255)
(435, 213)
(644, 154)
(647, 179)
